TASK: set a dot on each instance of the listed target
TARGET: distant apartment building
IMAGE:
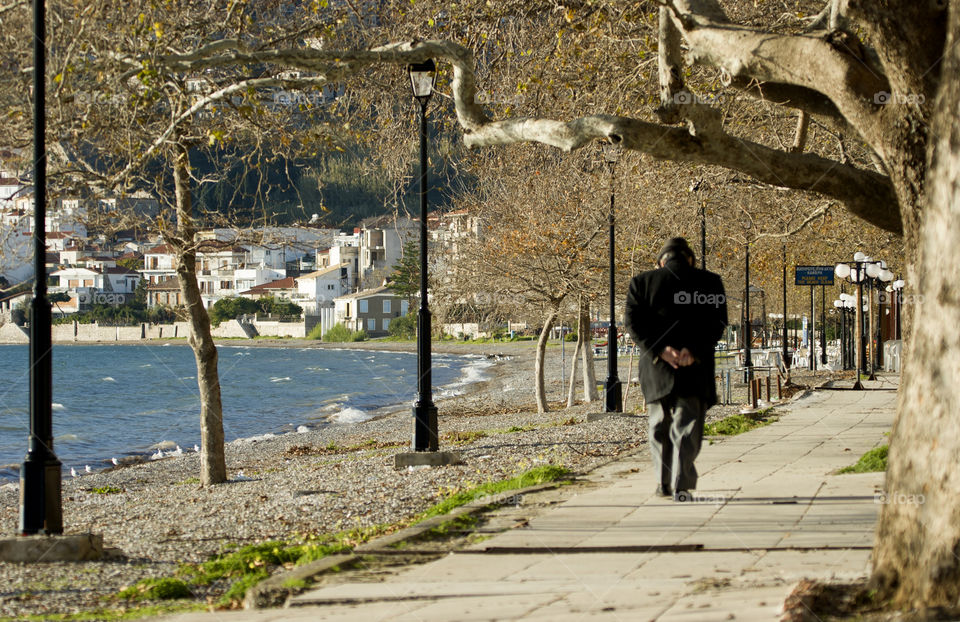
(159, 263)
(370, 310)
(381, 246)
(97, 284)
(217, 263)
(165, 293)
(318, 289)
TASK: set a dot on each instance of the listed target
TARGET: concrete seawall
(95, 333)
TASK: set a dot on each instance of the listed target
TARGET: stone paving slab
(770, 511)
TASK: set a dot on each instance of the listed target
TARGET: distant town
(333, 276)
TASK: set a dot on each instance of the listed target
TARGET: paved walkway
(768, 513)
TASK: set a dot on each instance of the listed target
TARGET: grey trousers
(676, 433)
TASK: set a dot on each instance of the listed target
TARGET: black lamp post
(41, 510)
(423, 76)
(748, 329)
(823, 325)
(786, 362)
(612, 389)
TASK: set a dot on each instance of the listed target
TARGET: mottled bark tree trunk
(584, 336)
(213, 469)
(917, 548)
(541, 388)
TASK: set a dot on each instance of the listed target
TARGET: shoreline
(332, 478)
(286, 488)
(461, 386)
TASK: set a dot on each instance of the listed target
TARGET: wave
(109, 379)
(473, 373)
(57, 406)
(255, 439)
(284, 379)
(350, 415)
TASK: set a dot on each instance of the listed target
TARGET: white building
(217, 263)
(98, 285)
(159, 263)
(248, 278)
(318, 289)
(381, 245)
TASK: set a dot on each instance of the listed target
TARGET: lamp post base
(41, 510)
(427, 458)
(613, 395)
(425, 427)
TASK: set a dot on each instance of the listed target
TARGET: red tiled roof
(163, 249)
(165, 285)
(287, 283)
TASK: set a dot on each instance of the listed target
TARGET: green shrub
(232, 308)
(404, 327)
(873, 461)
(156, 589)
(316, 332)
(339, 333)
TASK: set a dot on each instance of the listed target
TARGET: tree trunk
(626, 382)
(572, 391)
(584, 337)
(918, 539)
(213, 468)
(541, 388)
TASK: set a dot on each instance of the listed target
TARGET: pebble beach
(155, 516)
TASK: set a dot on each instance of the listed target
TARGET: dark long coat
(680, 306)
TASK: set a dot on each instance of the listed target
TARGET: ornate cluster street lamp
(41, 509)
(612, 389)
(864, 269)
(844, 306)
(423, 77)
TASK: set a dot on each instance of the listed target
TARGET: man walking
(676, 313)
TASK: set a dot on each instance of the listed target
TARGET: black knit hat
(675, 245)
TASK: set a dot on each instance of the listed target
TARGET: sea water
(117, 401)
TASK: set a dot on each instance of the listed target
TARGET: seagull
(87, 468)
(196, 448)
(178, 451)
(73, 472)
(158, 455)
(115, 461)
(241, 477)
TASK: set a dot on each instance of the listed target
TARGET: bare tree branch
(866, 194)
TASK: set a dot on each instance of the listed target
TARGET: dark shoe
(664, 492)
(682, 496)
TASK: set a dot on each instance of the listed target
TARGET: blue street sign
(814, 275)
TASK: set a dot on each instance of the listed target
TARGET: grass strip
(871, 462)
(245, 567)
(738, 424)
(110, 614)
(538, 475)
